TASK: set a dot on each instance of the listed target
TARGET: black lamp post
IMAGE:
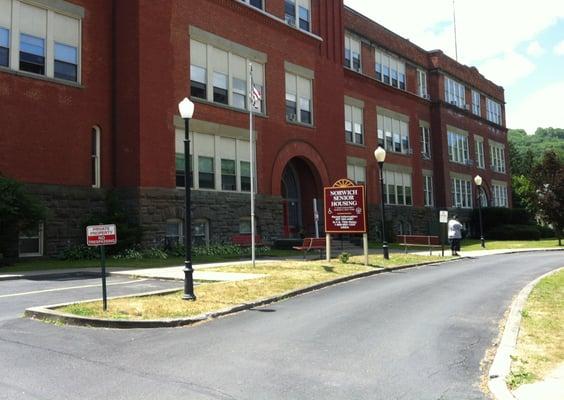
(380, 155)
(186, 108)
(478, 182)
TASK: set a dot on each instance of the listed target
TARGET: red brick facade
(135, 64)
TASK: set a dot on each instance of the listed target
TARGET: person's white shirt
(454, 229)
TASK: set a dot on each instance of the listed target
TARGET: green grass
(280, 278)
(474, 244)
(540, 346)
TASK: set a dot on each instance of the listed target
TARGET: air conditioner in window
(291, 117)
(467, 106)
(453, 102)
(425, 156)
(408, 151)
(290, 20)
(469, 162)
(356, 69)
(427, 96)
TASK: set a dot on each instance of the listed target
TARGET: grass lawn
(281, 278)
(47, 264)
(474, 244)
(540, 346)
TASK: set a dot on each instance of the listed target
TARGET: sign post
(443, 219)
(345, 212)
(102, 235)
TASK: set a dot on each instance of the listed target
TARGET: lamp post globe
(478, 181)
(380, 156)
(186, 109)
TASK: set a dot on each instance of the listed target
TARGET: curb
(501, 365)
(50, 314)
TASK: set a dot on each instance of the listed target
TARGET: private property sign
(101, 235)
(344, 208)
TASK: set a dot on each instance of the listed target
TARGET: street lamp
(478, 182)
(380, 155)
(186, 108)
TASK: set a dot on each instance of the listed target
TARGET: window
(31, 241)
(354, 132)
(461, 193)
(245, 226)
(206, 176)
(352, 53)
(422, 83)
(32, 54)
(201, 232)
(458, 147)
(397, 188)
(66, 58)
(298, 89)
(476, 103)
(428, 190)
(393, 133)
(356, 173)
(493, 111)
(390, 69)
(245, 176)
(174, 233)
(497, 155)
(454, 93)
(425, 142)
(499, 193)
(4, 47)
(228, 77)
(301, 8)
(480, 160)
(228, 175)
(216, 162)
(254, 3)
(95, 157)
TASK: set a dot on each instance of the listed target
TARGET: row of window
(39, 41)
(390, 70)
(393, 134)
(458, 151)
(296, 12)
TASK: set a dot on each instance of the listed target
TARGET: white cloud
(559, 49)
(485, 28)
(542, 108)
(507, 68)
(535, 49)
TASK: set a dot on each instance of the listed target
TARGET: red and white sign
(344, 208)
(101, 235)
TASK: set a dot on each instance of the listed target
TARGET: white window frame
(458, 146)
(39, 237)
(258, 78)
(461, 190)
(394, 64)
(96, 157)
(480, 157)
(353, 46)
(497, 157)
(428, 198)
(425, 134)
(51, 14)
(354, 124)
(455, 92)
(476, 107)
(179, 224)
(306, 4)
(396, 127)
(499, 192)
(493, 111)
(356, 173)
(299, 96)
(206, 226)
(399, 180)
(422, 84)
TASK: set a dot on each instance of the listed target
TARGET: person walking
(454, 235)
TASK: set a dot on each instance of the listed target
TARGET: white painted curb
(501, 364)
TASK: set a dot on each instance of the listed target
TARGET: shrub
(344, 257)
(514, 232)
(154, 253)
(80, 252)
(129, 254)
(546, 232)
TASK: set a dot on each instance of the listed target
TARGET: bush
(154, 253)
(546, 232)
(514, 232)
(129, 254)
(344, 257)
(80, 252)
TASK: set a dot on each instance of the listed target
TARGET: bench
(311, 243)
(245, 240)
(419, 240)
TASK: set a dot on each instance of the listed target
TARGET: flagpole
(251, 152)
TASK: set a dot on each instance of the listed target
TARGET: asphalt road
(414, 334)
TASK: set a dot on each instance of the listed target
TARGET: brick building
(88, 103)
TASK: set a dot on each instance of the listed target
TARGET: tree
(548, 181)
(18, 210)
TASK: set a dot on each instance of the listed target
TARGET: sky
(518, 44)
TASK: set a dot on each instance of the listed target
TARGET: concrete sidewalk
(551, 388)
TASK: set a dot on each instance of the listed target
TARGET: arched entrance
(299, 186)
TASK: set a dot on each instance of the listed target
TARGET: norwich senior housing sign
(344, 208)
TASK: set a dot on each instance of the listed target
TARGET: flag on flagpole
(256, 96)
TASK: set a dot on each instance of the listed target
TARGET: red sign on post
(344, 208)
(101, 235)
